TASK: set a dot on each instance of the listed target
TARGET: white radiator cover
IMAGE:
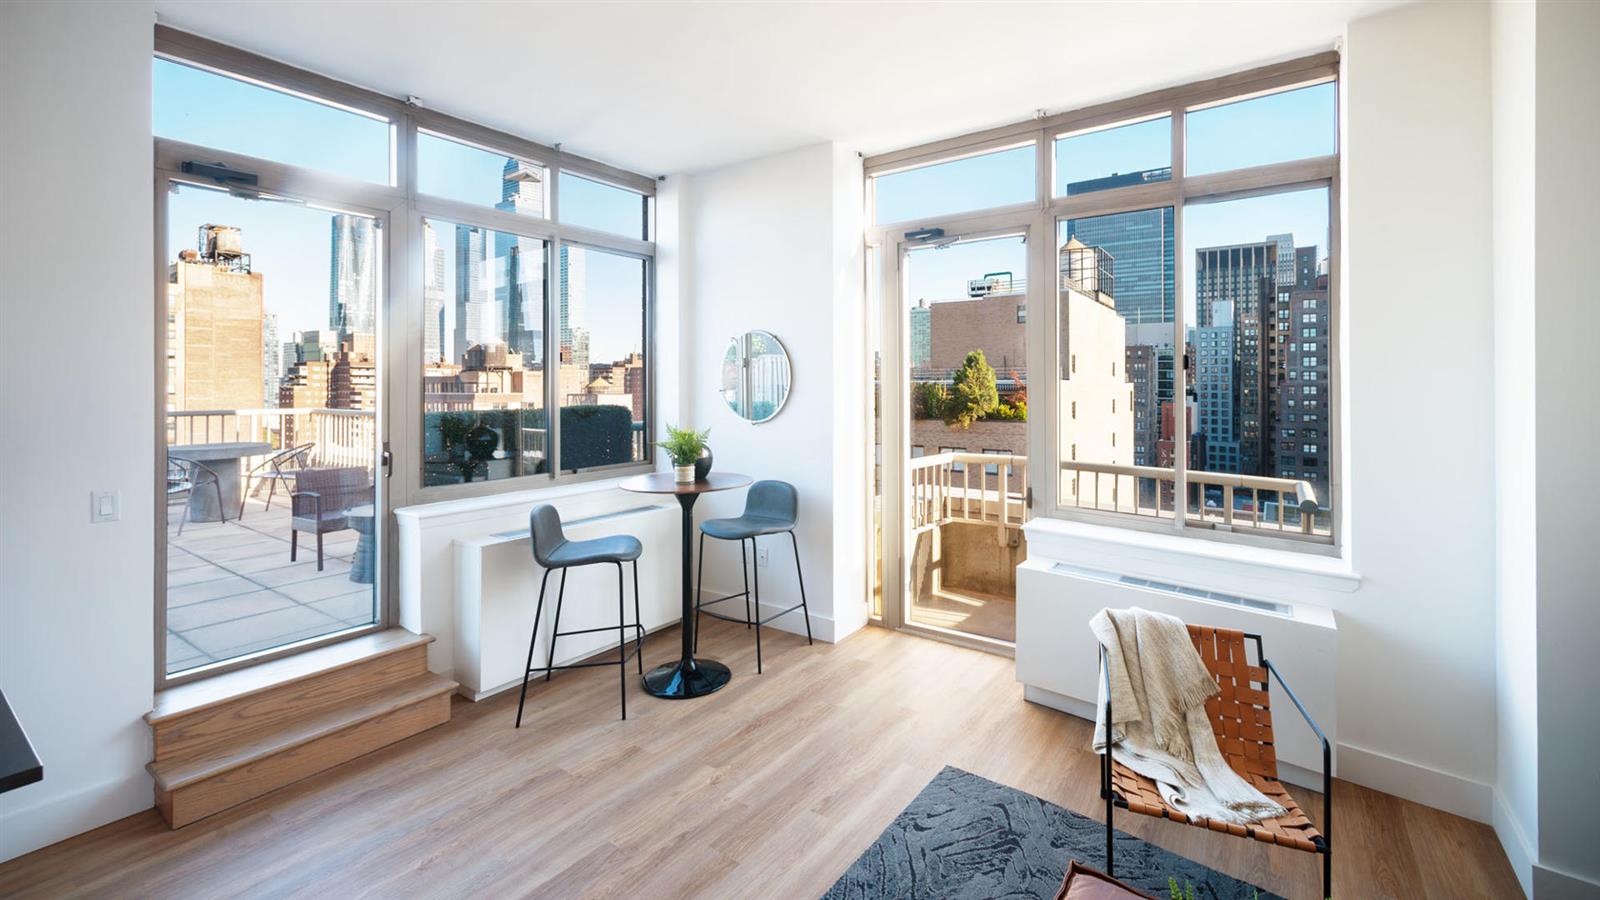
(497, 592)
(1058, 662)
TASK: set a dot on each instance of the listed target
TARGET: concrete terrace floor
(231, 589)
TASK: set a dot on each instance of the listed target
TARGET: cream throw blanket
(1159, 688)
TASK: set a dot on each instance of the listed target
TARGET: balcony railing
(342, 437)
(1236, 501)
(958, 487)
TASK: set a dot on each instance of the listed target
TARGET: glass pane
(976, 182)
(447, 168)
(1278, 127)
(603, 388)
(1260, 349)
(271, 388)
(590, 204)
(483, 298)
(200, 107)
(1117, 351)
(1114, 157)
(968, 394)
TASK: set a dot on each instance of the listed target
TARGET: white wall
(1515, 278)
(1567, 411)
(76, 624)
(775, 244)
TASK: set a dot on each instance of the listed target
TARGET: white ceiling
(670, 87)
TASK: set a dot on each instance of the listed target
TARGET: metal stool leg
(622, 643)
(533, 639)
(757, 578)
(638, 620)
(699, 594)
(805, 611)
(744, 570)
(561, 593)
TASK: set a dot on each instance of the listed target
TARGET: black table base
(688, 677)
(680, 681)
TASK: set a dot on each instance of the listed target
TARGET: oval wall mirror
(755, 376)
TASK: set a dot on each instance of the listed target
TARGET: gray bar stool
(552, 550)
(769, 508)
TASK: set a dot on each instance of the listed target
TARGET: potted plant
(684, 445)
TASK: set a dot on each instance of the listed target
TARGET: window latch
(388, 460)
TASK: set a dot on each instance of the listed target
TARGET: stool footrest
(638, 647)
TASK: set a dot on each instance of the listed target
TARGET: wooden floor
(769, 788)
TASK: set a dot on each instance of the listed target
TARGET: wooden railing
(958, 487)
(1270, 504)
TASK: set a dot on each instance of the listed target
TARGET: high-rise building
(1096, 411)
(433, 347)
(1142, 260)
(573, 293)
(271, 360)
(1244, 279)
(214, 325)
(1300, 403)
(472, 292)
(921, 335)
(1216, 380)
(519, 295)
(344, 376)
(353, 275)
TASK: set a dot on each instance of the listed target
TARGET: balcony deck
(231, 589)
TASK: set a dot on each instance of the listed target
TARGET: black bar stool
(552, 550)
(769, 508)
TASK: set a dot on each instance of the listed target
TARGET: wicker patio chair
(319, 501)
(184, 477)
(279, 468)
(1241, 719)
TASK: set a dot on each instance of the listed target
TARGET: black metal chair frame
(1113, 799)
(746, 570)
(623, 653)
(278, 475)
(191, 469)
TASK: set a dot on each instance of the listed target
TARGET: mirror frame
(788, 364)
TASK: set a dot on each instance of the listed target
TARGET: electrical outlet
(761, 557)
(105, 506)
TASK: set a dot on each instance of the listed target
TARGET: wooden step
(194, 720)
(257, 761)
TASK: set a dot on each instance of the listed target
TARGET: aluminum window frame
(1178, 193)
(403, 206)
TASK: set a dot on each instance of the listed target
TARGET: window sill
(475, 506)
(1195, 560)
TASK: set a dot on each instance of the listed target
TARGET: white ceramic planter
(683, 474)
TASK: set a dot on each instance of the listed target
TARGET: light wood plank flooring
(769, 788)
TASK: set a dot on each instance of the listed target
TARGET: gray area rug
(968, 837)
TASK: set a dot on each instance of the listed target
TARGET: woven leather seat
(1241, 719)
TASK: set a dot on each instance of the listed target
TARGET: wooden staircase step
(197, 719)
(257, 762)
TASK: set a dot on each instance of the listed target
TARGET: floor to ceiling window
(1181, 260)
(336, 262)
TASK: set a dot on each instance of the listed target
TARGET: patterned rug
(968, 837)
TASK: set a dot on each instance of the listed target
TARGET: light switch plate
(105, 506)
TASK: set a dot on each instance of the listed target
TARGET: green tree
(974, 394)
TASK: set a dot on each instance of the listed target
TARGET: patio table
(223, 459)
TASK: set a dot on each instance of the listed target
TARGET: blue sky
(289, 244)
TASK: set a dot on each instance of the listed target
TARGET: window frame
(401, 388)
(1181, 191)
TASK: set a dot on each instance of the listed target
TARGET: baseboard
(823, 628)
(24, 829)
(1550, 884)
(1418, 783)
(1514, 841)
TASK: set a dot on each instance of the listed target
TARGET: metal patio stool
(769, 508)
(552, 550)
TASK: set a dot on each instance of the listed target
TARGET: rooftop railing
(342, 437)
(1257, 502)
(981, 488)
